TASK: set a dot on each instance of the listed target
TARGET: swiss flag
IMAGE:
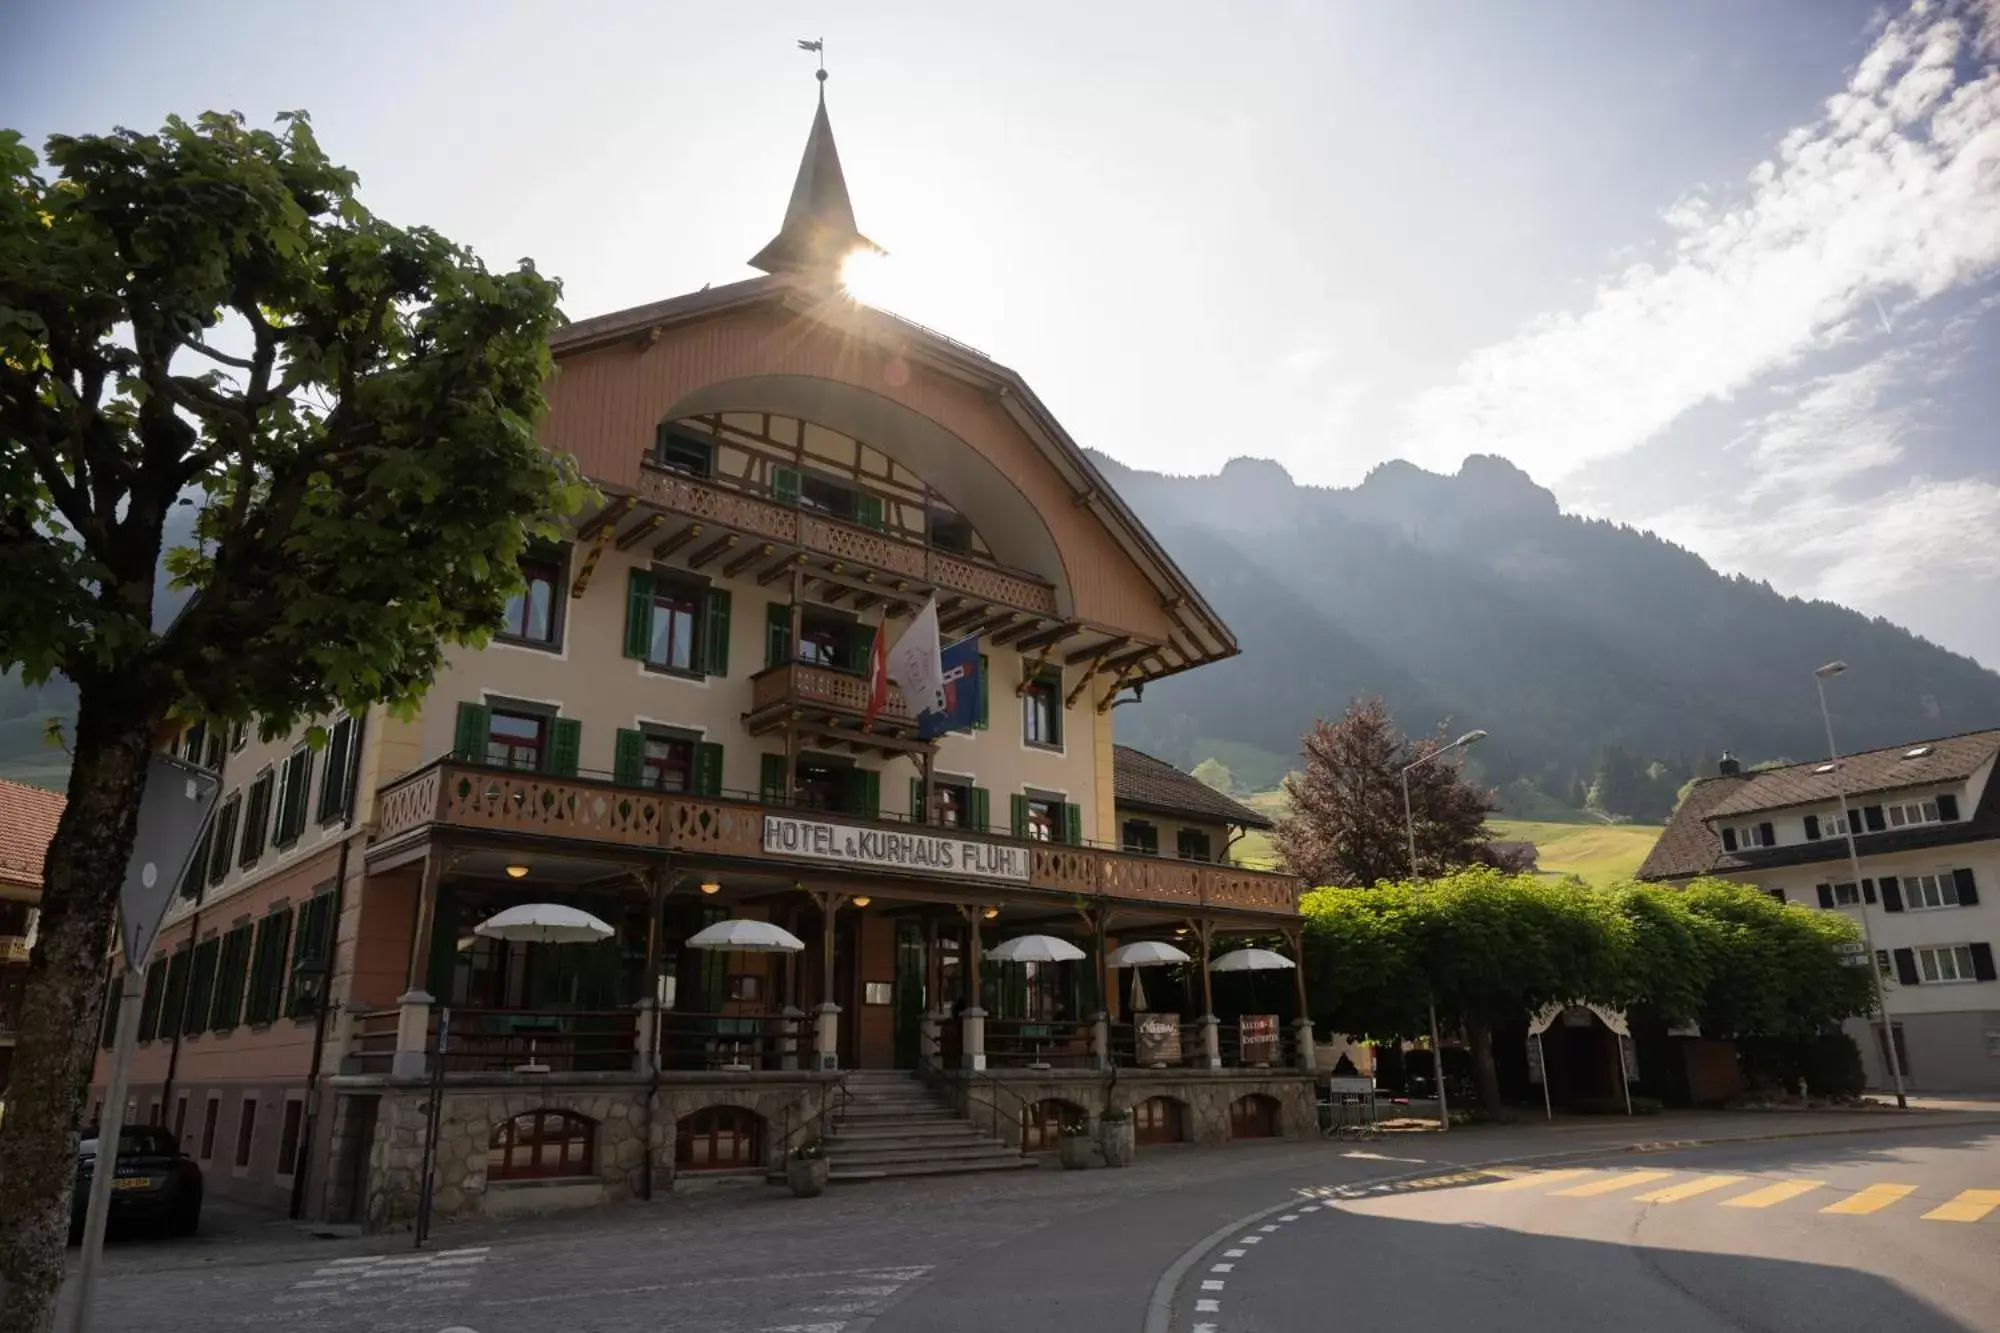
(878, 676)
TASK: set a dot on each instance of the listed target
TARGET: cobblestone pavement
(1044, 1249)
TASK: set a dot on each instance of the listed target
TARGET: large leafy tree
(1345, 826)
(207, 316)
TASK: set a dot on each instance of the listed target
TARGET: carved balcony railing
(715, 501)
(458, 795)
(803, 684)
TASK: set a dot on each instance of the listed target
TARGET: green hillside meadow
(1595, 853)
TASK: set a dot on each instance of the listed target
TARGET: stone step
(849, 1159)
(928, 1111)
(930, 1143)
(915, 1129)
(942, 1167)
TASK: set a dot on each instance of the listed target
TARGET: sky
(1728, 272)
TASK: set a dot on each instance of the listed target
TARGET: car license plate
(132, 1183)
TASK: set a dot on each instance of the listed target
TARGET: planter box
(1075, 1150)
(807, 1176)
(1119, 1139)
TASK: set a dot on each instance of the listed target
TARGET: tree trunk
(1479, 1036)
(59, 1021)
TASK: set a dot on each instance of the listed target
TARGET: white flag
(917, 664)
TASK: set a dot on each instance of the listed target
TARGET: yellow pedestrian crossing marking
(1969, 1206)
(1699, 1185)
(1871, 1200)
(1624, 1180)
(1533, 1178)
(1770, 1194)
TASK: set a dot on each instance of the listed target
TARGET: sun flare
(865, 274)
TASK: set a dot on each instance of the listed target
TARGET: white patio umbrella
(1035, 949)
(1144, 953)
(746, 937)
(544, 923)
(1251, 960)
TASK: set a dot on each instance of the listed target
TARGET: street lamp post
(1820, 678)
(1410, 830)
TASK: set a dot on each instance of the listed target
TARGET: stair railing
(958, 1088)
(832, 1095)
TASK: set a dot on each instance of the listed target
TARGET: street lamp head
(1830, 669)
(1468, 738)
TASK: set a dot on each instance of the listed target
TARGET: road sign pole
(109, 1124)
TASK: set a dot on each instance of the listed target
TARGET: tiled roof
(1689, 846)
(1951, 759)
(1145, 783)
(28, 818)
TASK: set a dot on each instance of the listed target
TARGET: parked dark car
(156, 1183)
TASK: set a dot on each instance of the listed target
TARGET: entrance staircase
(892, 1125)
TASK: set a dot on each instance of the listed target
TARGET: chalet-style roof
(1915, 764)
(28, 818)
(1689, 846)
(819, 228)
(1142, 782)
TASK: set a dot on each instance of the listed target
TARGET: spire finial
(817, 45)
(819, 228)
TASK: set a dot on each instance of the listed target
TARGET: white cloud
(1893, 193)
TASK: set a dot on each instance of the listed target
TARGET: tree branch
(197, 345)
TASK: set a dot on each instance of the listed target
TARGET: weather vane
(817, 45)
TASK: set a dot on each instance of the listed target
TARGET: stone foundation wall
(616, 1103)
(1206, 1096)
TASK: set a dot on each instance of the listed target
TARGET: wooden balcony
(902, 568)
(808, 688)
(452, 795)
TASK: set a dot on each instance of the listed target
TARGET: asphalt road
(1054, 1250)
(1879, 1232)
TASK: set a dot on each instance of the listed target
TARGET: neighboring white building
(1927, 829)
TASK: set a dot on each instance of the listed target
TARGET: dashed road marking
(1688, 1189)
(1871, 1200)
(1968, 1206)
(1623, 1180)
(1234, 1254)
(1773, 1194)
(1222, 1268)
(1212, 1284)
(1207, 1306)
(1527, 1180)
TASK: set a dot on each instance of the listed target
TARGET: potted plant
(1075, 1144)
(806, 1169)
(1115, 1134)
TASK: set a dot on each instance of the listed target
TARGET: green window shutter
(1017, 808)
(859, 646)
(629, 757)
(1073, 824)
(292, 812)
(229, 980)
(771, 780)
(785, 485)
(197, 865)
(867, 792)
(707, 769)
(982, 806)
(201, 986)
(985, 676)
(917, 812)
(777, 633)
(638, 613)
(868, 510)
(565, 741)
(108, 1034)
(174, 1006)
(333, 786)
(151, 999)
(715, 634)
(315, 939)
(475, 724)
(225, 832)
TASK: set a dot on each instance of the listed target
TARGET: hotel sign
(892, 849)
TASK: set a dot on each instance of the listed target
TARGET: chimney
(1727, 766)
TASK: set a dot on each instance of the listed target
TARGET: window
(1846, 895)
(828, 496)
(209, 1116)
(1949, 962)
(201, 987)
(152, 1000)
(192, 741)
(288, 1136)
(1142, 837)
(1158, 1120)
(517, 740)
(1042, 1122)
(257, 818)
(1194, 845)
(310, 955)
(267, 967)
(173, 1003)
(950, 532)
(1924, 891)
(293, 780)
(1045, 820)
(829, 639)
(542, 1144)
(246, 1131)
(1253, 1117)
(719, 1138)
(1041, 712)
(229, 978)
(674, 626)
(667, 764)
(954, 804)
(1911, 812)
(682, 452)
(338, 782)
(195, 874)
(878, 992)
(533, 615)
(1755, 835)
(1883, 966)
(224, 842)
(239, 736)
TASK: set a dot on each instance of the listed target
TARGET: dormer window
(1911, 812)
(1827, 768)
(1916, 752)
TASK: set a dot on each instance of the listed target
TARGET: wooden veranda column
(418, 975)
(1302, 1026)
(1202, 931)
(826, 1031)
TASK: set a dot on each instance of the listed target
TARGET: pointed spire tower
(819, 228)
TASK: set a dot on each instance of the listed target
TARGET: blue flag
(961, 692)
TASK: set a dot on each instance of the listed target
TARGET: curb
(1160, 1306)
